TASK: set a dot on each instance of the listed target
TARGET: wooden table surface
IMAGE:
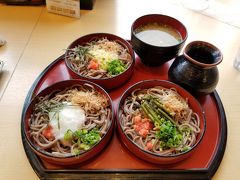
(35, 38)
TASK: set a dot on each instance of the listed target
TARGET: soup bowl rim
(123, 43)
(159, 82)
(155, 46)
(73, 82)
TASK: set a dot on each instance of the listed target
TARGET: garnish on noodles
(159, 120)
(99, 58)
(71, 121)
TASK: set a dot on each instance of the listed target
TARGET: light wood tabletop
(35, 38)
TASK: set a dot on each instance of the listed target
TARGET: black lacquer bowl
(157, 55)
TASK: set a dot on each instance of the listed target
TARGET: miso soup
(158, 34)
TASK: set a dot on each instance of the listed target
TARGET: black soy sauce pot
(196, 70)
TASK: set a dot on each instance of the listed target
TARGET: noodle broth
(158, 120)
(70, 122)
(157, 34)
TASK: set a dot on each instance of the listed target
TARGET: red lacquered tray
(116, 161)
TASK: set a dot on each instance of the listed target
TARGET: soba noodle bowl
(100, 58)
(159, 120)
(70, 121)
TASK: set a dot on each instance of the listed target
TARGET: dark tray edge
(125, 174)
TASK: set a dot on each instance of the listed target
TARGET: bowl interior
(95, 36)
(56, 88)
(161, 19)
(203, 53)
(193, 104)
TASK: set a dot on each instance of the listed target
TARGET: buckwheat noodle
(185, 119)
(96, 108)
(80, 56)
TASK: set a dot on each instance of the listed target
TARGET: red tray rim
(196, 173)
